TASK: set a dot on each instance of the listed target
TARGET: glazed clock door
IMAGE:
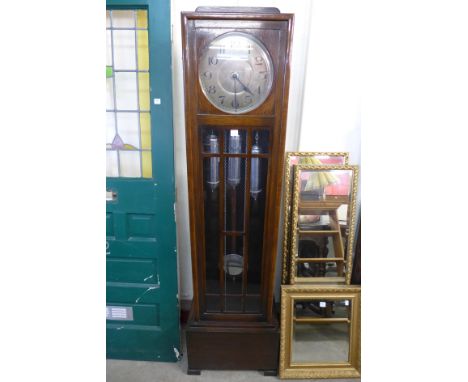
(142, 305)
(234, 190)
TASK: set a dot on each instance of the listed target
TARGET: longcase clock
(236, 78)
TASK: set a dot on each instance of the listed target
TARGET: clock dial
(235, 72)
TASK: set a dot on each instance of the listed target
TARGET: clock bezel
(270, 69)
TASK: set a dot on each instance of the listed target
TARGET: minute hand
(243, 86)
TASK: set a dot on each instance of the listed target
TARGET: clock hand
(235, 77)
(244, 87)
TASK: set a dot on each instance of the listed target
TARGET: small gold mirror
(295, 158)
(320, 331)
(322, 224)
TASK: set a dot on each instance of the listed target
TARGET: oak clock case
(236, 82)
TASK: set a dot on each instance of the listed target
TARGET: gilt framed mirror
(294, 158)
(322, 223)
(320, 331)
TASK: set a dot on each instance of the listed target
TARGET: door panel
(142, 301)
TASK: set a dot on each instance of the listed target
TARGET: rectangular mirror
(320, 331)
(294, 158)
(323, 212)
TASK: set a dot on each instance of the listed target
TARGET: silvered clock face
(235, 72)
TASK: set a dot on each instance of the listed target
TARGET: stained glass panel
(124, 50)
(109, 48)
(130, 163)
(128, 130)
(112, 164)
(126, 91)
(123, 19)
(144, 93)
(142, 44)
(110, 93)
(142, 19)
(128, 127)
(146, 164)
(110, 127)
(145, 127)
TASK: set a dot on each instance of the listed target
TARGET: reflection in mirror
(292, 159)
(321, 184)
(328, 269)
(314, 343)
(320, 236)
(322, 308)
(324, 211)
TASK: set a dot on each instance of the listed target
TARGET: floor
(139, 371)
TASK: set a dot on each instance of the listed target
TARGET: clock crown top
(208, 9)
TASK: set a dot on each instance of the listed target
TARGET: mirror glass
(311, 159)
(321, 221)
(321, 331)
(295, 158)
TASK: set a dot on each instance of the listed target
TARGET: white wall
(331, 114)
(328, 119)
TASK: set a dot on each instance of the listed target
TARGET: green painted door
(142, 309)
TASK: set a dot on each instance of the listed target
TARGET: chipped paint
(177, 353)
(146, 291)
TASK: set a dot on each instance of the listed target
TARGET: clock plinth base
(229, 347)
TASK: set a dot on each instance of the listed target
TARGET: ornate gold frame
(351, 223)
(350, 369)
(287, 202)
